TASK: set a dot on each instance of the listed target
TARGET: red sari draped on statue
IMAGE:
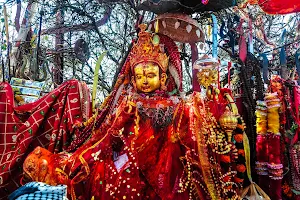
(149, 148)
(148, 166)
(155, 145)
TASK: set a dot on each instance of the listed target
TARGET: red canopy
(278, 6)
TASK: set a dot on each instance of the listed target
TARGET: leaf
(96, 78)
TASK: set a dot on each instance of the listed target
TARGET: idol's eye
(151, 75)
(138, 76)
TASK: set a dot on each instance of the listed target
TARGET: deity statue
(148, 140)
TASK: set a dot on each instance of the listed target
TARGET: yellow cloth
(261, 122)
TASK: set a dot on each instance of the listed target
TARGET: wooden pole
(7, 40)
(59, 40)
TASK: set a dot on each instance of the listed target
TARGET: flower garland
(240, 161)
(268, 145)
(261, 141)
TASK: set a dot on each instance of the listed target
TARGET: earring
(163, 86)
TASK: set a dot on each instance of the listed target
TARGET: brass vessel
(228, 122)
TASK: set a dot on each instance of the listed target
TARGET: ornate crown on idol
(148, 49)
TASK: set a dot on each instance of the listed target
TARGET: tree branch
(78, 27)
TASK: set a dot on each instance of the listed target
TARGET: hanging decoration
(206, 71)
(251, 48)
(253, 191)
(214, 36)
(242, 42)
(265, 71)
(284, 72)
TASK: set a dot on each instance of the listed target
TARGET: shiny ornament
(207, 71)
(155, 40)
(228, 122)
(145, 51)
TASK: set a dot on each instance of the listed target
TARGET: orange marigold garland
(287, 190)
(241, 152)
(238, 138)
(241, 168)
(225, 158)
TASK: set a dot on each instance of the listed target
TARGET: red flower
(238, 180)
(241, 168)
(226, 178)
(225, 159)
(238, 138)
(241, 152)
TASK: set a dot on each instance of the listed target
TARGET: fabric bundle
(268, 165)
(261, 142)
(48, 122)
(39, 191)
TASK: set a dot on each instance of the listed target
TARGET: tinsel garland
(261, 141)
(268, 151)
(294, 148)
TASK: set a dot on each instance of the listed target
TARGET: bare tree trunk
(59, 38)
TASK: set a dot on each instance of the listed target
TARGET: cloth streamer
(215, 36)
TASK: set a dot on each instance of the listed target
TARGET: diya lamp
(228, 122)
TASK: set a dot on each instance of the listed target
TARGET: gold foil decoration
(207, 71)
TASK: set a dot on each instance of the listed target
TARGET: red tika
(48, 122)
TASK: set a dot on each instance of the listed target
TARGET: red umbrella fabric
(278, 6)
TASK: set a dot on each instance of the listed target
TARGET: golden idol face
(147, 77)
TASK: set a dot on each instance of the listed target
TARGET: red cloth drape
(48, 122)
(278, 6)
